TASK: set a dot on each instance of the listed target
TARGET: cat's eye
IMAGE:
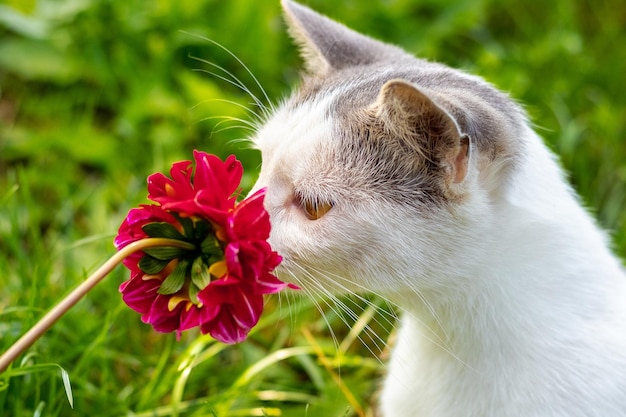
(313, 208)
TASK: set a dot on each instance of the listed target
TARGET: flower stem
(79, 292)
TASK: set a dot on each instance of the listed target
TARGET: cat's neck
(532, 292)
(505, 351)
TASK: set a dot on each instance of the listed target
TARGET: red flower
(217, 277)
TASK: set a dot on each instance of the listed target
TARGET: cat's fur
(449, 205)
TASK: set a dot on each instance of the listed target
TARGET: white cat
(390, 174)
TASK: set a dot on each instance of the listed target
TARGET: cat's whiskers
(432, 336)
(257, 118)
(340, 306)
(380, 319)
(263, 105)
(266, 108)
(312, 296)
(235, 81)
(325, 294)
(431, 310)
(290, 297)
(393, 317)
(367, 332)
(245, 124)
(326, 297)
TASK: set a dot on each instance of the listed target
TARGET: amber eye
(314, 209)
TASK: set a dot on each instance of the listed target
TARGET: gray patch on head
(352, 68)
(488, 116)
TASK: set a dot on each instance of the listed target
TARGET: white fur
(545, 333)
(513, 304)
(528, 320)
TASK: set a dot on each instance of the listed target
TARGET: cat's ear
(326, 44)
(424, 125)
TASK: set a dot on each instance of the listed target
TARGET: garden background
(96, 95)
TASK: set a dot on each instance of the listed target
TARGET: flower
(218, 264)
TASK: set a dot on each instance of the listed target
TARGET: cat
(389, 174)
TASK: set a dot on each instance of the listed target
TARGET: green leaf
(211, 246)
(165, 253)
(193, 294)
(162, 229)
(150, 265)
(200, 275)
(187, 224)
(175, 281)
(68, 387)
(30, 369)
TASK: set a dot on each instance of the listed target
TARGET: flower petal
(248, 308)
(197, 315)
(176, 189)
(240, 308)
(139, 294)
(161, 317)
(247, 260)
(269, 284)
(250, 220)
(226, 330)
(221, 177)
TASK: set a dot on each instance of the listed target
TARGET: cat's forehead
(295, 133)
(328, 133)
(359, 86)
(486, 114)
(327, 144)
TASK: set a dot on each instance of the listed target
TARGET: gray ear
(326, 44)
(419, 119)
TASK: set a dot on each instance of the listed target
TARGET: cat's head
(379, 166)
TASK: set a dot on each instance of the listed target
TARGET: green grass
(96, 95)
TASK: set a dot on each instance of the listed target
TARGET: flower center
(188, 270)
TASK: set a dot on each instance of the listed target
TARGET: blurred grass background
(96, 95)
